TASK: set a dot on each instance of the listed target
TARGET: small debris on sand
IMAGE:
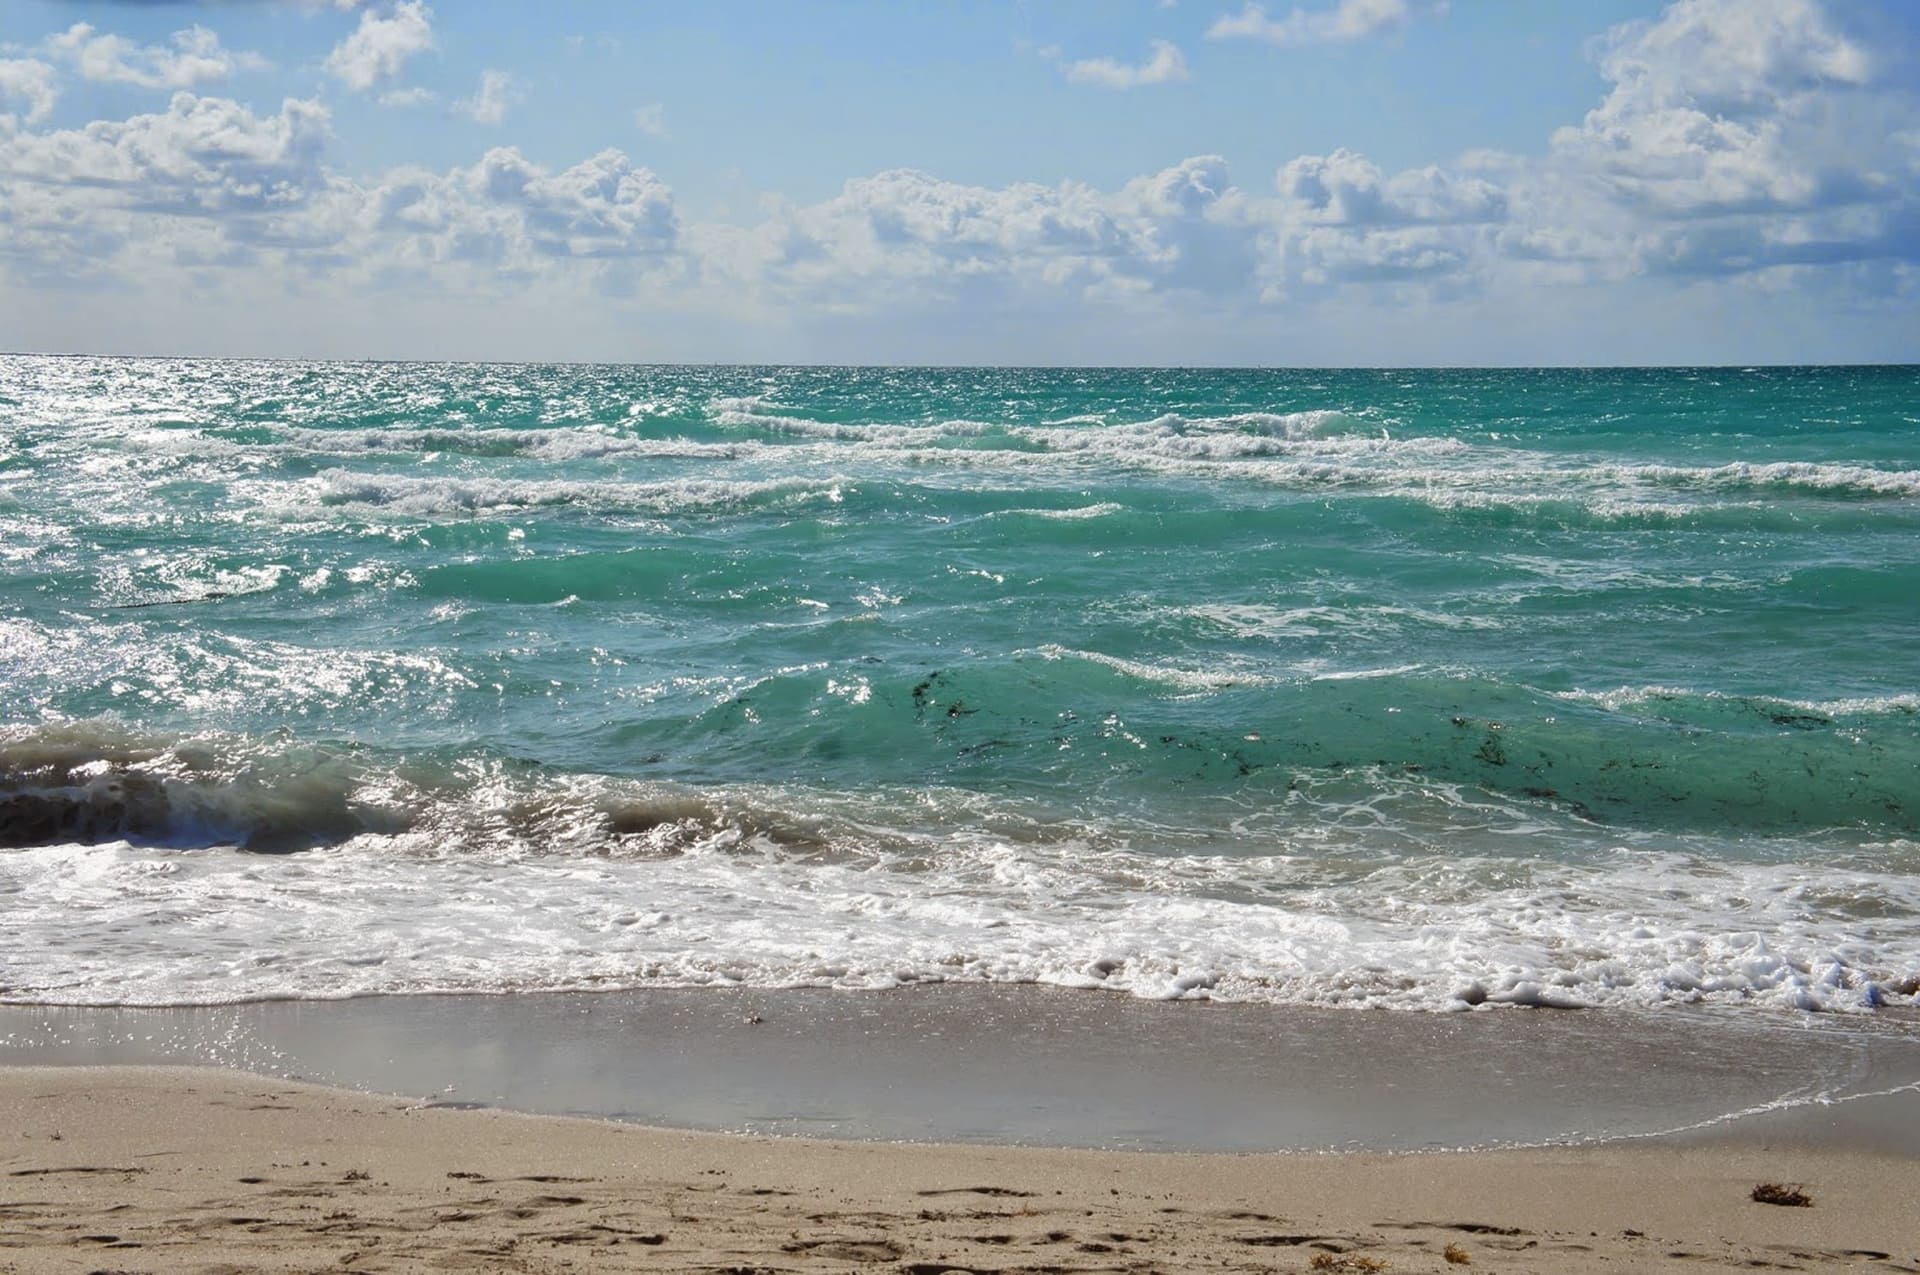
(1345, 1262)
(1788, 1195)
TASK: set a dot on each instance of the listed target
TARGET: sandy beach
(198, 1169)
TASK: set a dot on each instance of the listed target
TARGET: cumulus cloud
(209, 185)
(605, 206)
(651, 119)
(29, 81)
(193, 57)
(515, 222)
(200, 155)
(1165, 66)
(1740, 138)
(1730, 58)
(128, 200)
(381, 46)
(905, 238)
(1345, 189)
(1345, 20)
(1340, 219)
(488, 105)
(1737, 137)
(1722, 106)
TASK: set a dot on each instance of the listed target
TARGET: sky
(1193, 182)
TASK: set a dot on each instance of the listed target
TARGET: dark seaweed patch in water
(1801, 721)
(1490, 750)
(213, 596)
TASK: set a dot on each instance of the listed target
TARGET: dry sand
(195, 1169)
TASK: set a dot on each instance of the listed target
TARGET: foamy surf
(468, 875)
(729, 908)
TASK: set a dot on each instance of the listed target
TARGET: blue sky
(1106, 181)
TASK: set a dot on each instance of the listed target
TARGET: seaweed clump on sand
(1787, 1195)
(1345, 1262)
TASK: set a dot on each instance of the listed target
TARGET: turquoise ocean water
(1410, 689)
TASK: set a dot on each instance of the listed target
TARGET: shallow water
(1048, 1067)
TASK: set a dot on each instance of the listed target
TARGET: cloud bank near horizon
(1743, 153)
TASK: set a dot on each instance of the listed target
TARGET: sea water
(1420, 690)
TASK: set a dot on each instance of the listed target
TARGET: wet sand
(1041, 1066)
(196, 1169)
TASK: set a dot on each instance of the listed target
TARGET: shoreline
(196, 1169)
(1024, 1065)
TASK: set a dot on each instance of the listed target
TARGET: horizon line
(1746, 365)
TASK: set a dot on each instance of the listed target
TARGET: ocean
(1410, 690)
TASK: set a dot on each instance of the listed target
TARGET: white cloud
(902, 238)
(1165, 66)
(1752, 139)
(1730, 58)
(192, 58)
(412, 95)
(1340, 220)
(207, 186)
(1346, 20)
(201, 155)
(380, 46)
(601, 207)
(488, 105)
(124, 200)
(651, 119)
(1737, 138)
(1345, 189)
(1726, 105)
(24, 79)
(507, 210)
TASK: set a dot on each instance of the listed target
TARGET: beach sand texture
(195, 1169)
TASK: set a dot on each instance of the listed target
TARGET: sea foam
(737, 883)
